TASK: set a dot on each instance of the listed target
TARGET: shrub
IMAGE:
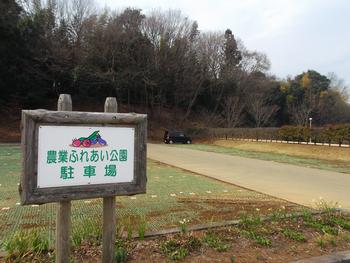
(295, 133)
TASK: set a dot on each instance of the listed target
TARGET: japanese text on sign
(101, 155)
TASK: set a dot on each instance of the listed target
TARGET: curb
(337, 257)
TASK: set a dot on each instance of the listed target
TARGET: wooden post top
(111, 105)
(64, 103)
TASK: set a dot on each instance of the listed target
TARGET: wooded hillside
(160, 62)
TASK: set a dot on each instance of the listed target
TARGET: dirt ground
(246, 250)
(232, 244)
(9, 134)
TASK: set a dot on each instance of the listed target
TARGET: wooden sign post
(71, 155)
(109, 206)
(63, 216)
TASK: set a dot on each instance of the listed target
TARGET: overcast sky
(297, 35)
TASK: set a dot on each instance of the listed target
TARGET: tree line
(159, 61)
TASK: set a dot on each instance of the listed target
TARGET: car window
(176, 134)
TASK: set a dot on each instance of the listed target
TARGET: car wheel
(171, 142)
(189, 142)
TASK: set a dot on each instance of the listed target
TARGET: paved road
(297, 184)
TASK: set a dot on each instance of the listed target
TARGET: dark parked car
(176, 137)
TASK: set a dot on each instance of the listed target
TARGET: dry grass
(309, 151)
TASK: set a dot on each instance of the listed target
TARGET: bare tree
(170, 25)
(211, 52)
(300, 113)
(74, 13)
(338, 85)
(254, 62)
(233, 111)
(210, 119)
(260, 110)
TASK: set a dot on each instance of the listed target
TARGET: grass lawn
(26, 233)
(172, 195)
(321, 157)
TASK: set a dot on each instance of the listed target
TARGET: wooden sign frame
(32, 119)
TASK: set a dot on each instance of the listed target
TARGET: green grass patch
(24, 242)
(249, 221)
(329, 222)
(325, 240)
(294, 235)
(259, 239)
(174, 250)
(164, 205)
(216, 242)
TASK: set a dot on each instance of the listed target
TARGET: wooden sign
(79, 155)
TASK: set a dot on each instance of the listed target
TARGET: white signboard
(84, 155)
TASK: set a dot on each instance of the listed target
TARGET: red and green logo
(94, 140)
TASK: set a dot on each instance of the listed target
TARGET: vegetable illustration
(86, 143)
(93, 139)
(76, 143)
(101, 141)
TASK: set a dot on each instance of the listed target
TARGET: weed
(215, 242)
(324, 240)
(232, 259)
(294, 235)
(142, 227)
(278, 215)
(328, 224)
(174, 250)
(338, 221)
(345, 237)
(87, 229)
(119, 230)
(319, 225)
(24, 242)
(260, 240)
(179, 254)
(320, 242)
(39, 243)
(333, 241)
(248, 221)
(121, 254)
(326, 207)
(193, 243)
(183, 225)
(17, 245)
(119, 242)
(76, 239)
(129, 227)
(306, 214)
(294, 216)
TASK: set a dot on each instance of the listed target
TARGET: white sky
(297, 35)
